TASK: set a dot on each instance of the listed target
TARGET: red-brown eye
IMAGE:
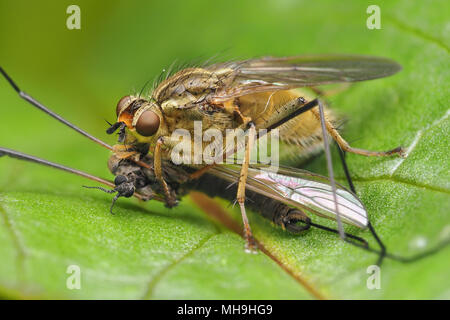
(147, 124)
(123, 104)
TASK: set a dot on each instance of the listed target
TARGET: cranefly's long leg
(250, 243)
(23, 156)
(382, 253)
(26, 157)
(40, 106)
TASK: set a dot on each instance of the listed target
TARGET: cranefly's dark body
(180, 182)
(269, 208)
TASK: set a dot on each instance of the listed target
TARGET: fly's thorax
(193, 81)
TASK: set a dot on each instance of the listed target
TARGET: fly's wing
(273, 74)
(301, 189)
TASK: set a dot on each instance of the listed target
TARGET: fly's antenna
(43, 108)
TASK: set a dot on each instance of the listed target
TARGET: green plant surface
(146, 251)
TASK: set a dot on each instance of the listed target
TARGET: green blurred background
(81, 74)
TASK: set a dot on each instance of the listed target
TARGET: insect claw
(251, 246)
(402, 152)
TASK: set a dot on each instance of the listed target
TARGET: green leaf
(48, 222)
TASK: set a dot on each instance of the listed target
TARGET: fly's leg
(170, 199)
(250, 244)
(43, 108)
(346, 147)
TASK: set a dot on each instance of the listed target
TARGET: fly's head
(140, 118)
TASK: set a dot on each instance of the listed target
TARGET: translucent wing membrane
(271, 73)
(301, 189)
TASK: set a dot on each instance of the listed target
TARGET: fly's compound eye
(147, 124)
(123, 104)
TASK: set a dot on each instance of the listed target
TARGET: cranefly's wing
(273, 74)
(301, 189)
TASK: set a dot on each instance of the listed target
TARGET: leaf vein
(416, 140)
(400, 180)
(21, 251)
(417, 32)
(157, 278)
